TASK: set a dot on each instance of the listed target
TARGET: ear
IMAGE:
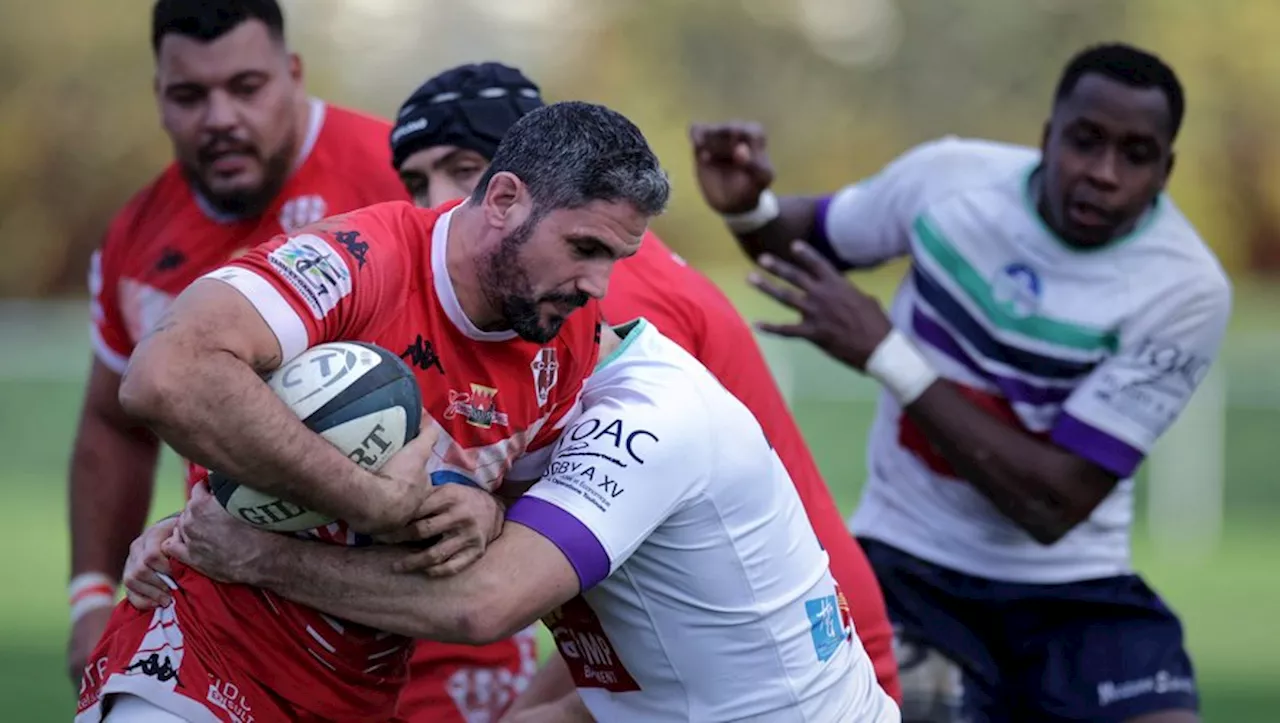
(1168, 170)
(155, 90)
(506, 201)
(295, 67)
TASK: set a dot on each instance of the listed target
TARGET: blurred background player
(254, 155)
(492, 289)
(1058, 315)
(445, 136)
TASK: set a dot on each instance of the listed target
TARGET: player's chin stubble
(247, 201)
(507, 284)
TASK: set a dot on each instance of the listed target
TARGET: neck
(463, 260)
(301, 130)
(1036, 190)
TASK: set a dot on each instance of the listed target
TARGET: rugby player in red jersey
(488, 291)
(446, 133)
(254, 156)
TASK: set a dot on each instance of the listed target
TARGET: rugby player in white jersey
(676, 565)
(1058, 314)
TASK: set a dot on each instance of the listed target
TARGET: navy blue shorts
(1103, 650)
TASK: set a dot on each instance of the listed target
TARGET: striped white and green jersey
(1097, 350)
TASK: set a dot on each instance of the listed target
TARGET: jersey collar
(444, 286)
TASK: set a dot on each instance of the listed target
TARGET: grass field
(1229, 598)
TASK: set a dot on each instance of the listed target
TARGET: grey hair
(570, 154)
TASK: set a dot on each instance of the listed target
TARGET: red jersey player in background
(254, 156)
(446, 132)
(487, 291)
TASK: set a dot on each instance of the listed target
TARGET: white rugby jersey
(1096, 350)
(706, 594)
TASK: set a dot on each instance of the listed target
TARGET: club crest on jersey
(546, 372)
(301, 211)
(1017, 290)
(315, 270)
(476, 406)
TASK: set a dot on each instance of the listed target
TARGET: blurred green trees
(842, 86)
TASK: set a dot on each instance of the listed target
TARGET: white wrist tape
(766, 210)
(901, 368)
(90, 591)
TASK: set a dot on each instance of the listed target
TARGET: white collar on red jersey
(315, 122)
(444, 286)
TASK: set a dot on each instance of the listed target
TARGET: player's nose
(220, 111)
(595, 283)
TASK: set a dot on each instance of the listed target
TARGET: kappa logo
(477, 406)
(546, 372)
(422, 354)
(170, 259)
(350, 241)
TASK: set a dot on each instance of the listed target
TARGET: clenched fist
(732, 164)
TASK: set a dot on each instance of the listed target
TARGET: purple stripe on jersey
(819, 239)
(1117, 457)
(1015, 390)
(575, 540)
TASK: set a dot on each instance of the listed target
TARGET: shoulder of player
(1179, 279)
(659, 380)
(356, 136)
(954, 163)
(671, 419)
(1172, 256)
(358, 120)
(382, 220)
(155, 199)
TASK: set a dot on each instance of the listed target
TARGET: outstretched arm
(1107, 425)
(521, 576)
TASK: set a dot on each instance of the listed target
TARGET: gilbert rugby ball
(360, 397)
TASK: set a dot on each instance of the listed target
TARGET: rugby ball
(360, 397)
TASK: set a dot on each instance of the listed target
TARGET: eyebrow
(597, 241)
(199, 86)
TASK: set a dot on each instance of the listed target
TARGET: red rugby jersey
(166, 236)
(379, 275)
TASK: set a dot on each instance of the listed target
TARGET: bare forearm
(360, 585)
(1021, 475)
(796, 220)
(221, 415)
(112, 478)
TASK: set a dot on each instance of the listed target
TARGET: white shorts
(127, 708)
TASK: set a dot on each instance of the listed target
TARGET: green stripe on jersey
(978, 289)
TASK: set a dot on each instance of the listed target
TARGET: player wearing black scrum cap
(447, 131)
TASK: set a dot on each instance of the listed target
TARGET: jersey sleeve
(869, 222)
(107, 330)
(1115, 417)
(619, 471)
(331, 281)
